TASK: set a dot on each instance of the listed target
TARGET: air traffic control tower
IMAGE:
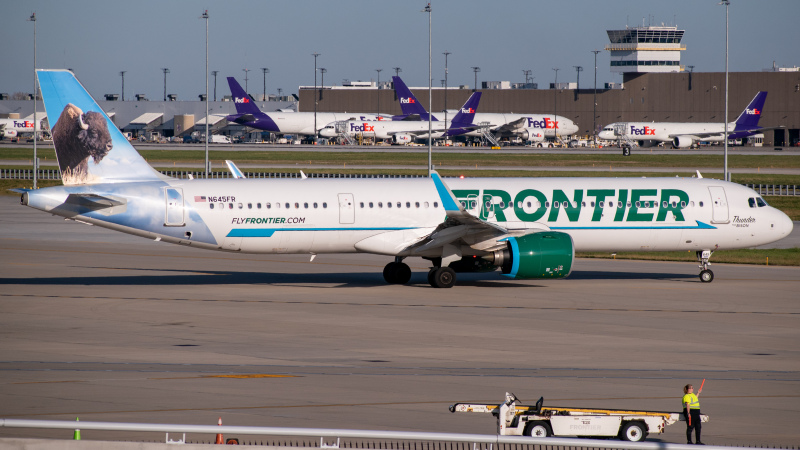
(646, 49)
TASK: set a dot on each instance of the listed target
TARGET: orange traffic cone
(219, 435)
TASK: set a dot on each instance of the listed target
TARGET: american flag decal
(199, 198)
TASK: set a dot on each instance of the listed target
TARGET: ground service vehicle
(514, 419)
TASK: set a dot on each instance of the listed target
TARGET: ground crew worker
(691, 406)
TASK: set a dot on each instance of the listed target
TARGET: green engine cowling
(545, 254)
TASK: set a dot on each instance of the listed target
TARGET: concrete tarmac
(109, 327)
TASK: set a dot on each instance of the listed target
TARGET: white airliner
(526, 227)
(405, 131)
(529, 127)
(686, 134)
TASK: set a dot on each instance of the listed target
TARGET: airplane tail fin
(408, 103)
(466, 114)
(749, 118)
(244, 104)
(89, 147)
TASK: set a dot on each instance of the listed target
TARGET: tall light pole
(322, 71)
(315, 54)
(265, 71)
(166, 71)
(379, 90)
(555, 107)
(446, 54)
(205, 16)
(32, 18)
(727, 3)
(397, 71)
(122, 74)
(430, 89)
(594, 109)
(578, 69)
(215, 72)
(476, 70)
(245, 82)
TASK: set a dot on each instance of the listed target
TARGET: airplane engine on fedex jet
(532, 135)
(644, 143)
(682, 142)
(8, 133)
(402, 138)
(544, 254)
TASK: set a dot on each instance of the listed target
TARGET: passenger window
(638, 204)
(464, 204)
(602, 204)
(683, 204)
(269, 205)
(297, 206)
(315, 205)
(701, 204)
(380, 204)
(305, 205)
(361, 204)
(287, 206)
(399, 204)
(408, 204)
(211, 205)
(388, 204)
(426, 204)
(241, 206)
(370, 204)
(664, 204)
(258, 205)
(546, 204)
(324, 204)
(435, 204)
(416, 204)
(249, 206)
(230, 205)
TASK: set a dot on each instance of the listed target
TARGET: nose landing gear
(706, 275)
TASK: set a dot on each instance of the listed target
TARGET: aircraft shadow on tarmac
(348, 279)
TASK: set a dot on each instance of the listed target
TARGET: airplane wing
(412, 117)
(510, 127)
(244, 118)
(459, 225)
(730, 131)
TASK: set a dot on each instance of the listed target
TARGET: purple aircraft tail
(748, 119)
(408, 103)
(244, 104)
(462, 121)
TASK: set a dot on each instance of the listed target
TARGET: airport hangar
(642, 97)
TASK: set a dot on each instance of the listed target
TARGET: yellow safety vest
(692, 400)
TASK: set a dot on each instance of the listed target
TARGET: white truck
(514, 419)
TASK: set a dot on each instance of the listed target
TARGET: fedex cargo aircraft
(686, 134)
(405, 131)
(527, 228)
(13, 127)
(529, 127)
(249, 115)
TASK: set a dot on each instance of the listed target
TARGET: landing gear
(397, 272)
(706, 276)
(442, 277)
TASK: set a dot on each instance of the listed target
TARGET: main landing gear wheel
(397, 273)
(706, 276)
(442, 277)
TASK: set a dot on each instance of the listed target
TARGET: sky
(100, 38)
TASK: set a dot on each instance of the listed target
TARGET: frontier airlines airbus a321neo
(526, 227)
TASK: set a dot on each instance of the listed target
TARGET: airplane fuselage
(384, 215)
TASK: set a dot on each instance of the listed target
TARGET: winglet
(234, 170)
(449, 201)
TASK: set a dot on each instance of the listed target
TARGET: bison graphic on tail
(78, 136)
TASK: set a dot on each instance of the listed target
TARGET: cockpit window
(752, 202)
(761, 203)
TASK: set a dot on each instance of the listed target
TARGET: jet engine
(682, 142)
(402, 138)
(544, 254)
(7, 133)
(532, 135)
(647, 143)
